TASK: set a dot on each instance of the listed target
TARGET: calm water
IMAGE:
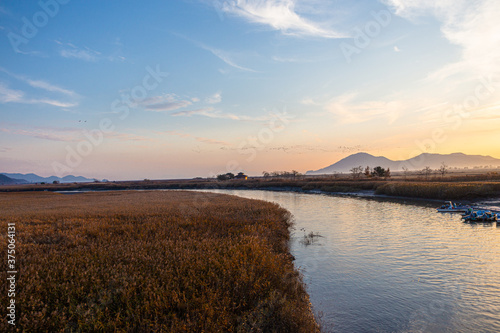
(393, 267)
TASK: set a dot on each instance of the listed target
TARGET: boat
(450, 207)
(480, 216)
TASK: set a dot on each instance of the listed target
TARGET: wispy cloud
(279, 15)
(69, 50)
(8, 95)
(290, 59)
(5, 149)
(217, 114)
(86, 55)
(49, 87)
(226, 57)
(62, 135)
(168, 102)
(197, 138)
(40, 84)
(68, 134)
(126, 137)
(348, 110)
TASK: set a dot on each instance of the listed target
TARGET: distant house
(241, 175)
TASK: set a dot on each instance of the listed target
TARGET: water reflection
(391, 267)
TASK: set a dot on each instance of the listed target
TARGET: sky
(194, 88)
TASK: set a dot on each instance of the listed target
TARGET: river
(383, 266)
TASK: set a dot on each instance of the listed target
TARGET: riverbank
(153, 261)
(435, 190)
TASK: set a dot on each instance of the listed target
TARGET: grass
(152, 262)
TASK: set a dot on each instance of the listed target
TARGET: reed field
(151, 261)
(440, 190)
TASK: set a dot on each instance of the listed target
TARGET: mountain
(4, 180)
(434, 161)
(33, 178)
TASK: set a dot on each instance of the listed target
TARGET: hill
(33, 178)
(433, 161)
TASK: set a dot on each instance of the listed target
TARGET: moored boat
(450, 207)
(480, 216)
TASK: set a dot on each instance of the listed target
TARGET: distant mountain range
(19, 178)
(4, 180)
(434, 161)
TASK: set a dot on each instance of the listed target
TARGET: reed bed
(444, 191)
(156, 261)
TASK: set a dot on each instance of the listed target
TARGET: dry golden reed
(157, 261)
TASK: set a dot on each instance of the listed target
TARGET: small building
(241, 175)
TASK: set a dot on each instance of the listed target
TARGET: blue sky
(185, 88)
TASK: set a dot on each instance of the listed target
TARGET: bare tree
(427, 172)
(405, 171)
(443, 169)
(356, 172)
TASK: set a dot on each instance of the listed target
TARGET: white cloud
(397, 49)
(69, 50)
(215, 98)
(472, 25)
(85, 55)
(280, 15)
(9, 95)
